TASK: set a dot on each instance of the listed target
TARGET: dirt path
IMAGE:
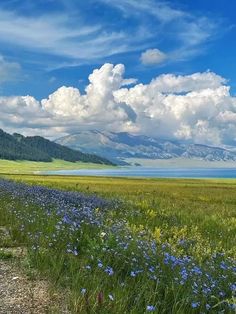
(21, 294)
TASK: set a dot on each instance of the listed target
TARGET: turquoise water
(152, 172)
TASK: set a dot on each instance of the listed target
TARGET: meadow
(25, 166)
(118, 245)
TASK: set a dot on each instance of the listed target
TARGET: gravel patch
(20, 294)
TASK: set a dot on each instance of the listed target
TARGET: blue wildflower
(233, 287)
(195, 304)
(109, 271)
(208, 306)
(83, 291)
(132, 274)
(150, 308)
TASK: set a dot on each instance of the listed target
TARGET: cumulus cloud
(170, 83)
(196, 107)
(153, 56)
(97, 106)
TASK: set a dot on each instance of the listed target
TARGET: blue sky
(156, 67)
(59, 42)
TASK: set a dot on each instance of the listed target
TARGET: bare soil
(24, 294)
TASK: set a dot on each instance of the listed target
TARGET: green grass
(200, 212)
(208, 205)
(4, 255)
(23, 167)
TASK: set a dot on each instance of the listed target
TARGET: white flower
(83, 291)
(102, 234)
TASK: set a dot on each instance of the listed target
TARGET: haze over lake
(148, 172)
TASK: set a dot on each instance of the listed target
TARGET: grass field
(151, 245)
(10, 166)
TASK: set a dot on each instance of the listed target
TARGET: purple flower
(109, 271)
(232, 306)
(233, 287)
(195, 304)
(208, 306)
(150, 308)
(75, 252)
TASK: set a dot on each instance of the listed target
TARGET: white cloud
(130, 81)
(97, 107)
(153, 56)
(188, 33)
(192, 115)
(46, 33)
(67, 36)
(63, 36)
(170, 83)
(196, 107)
(159, 9)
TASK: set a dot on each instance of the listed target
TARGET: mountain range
(37, 148)
(120, 147)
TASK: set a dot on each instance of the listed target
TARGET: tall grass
(164, 246)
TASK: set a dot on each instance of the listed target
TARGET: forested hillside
(12, 149)
(36, 148)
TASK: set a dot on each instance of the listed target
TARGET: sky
(160, 68)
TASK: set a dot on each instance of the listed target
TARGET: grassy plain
(193, 226)
(10, 166)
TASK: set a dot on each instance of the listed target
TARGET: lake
(151, 172)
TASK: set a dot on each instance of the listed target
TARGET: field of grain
(128, 245)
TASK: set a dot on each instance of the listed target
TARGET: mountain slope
(118, 146)
(58, 151)
(36, 148)
(12, 149)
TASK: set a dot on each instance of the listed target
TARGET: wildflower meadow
(128, 245)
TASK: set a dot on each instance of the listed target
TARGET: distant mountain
(119, 146)
(36, 148)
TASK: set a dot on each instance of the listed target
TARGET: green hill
(36, 148)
